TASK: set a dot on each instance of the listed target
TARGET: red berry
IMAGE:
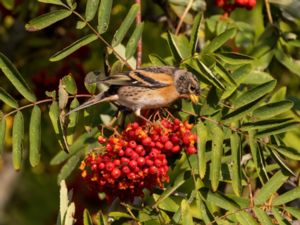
(139, 149)
(132, 164)
(141, 161)
(153, 170)
(94, 167)
(121, 153)
(176, 149)
(168, 145)
(132, 144)
(159, 145)
(125, 169)
(149, 162)
(117, 162)
(164, 138)
(125, 160)
(101, 139)
(157, 162)
(131, 176)
(128, 151)
(191, 150)
(146, 141)
(101, 166)
(109, 166)
(116, 173)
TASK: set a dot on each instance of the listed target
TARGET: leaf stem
(102, 39)
(268, 8)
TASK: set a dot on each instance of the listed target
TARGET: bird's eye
(192, 88)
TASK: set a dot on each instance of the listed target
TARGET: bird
(146, 88)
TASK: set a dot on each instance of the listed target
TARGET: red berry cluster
(230, 5)
(137, 158)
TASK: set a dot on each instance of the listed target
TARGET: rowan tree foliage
(233, 158)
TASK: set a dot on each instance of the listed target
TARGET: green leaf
(73, 118)
(202, 136)
(270, 188)
(47, 19)
(8, 99)
(235, 143)
(287, 61)
(79, 145)
(120, 49)
(119, 215)
(279, 217)
(133, 41)
(2, 134)
(157, 60)
(280, 162)
(14, 76)
(69, 84)
(68, 167)
(234, 58)
(104, 15)
(264, 124)
(73, 47)
(224, 74)
(278, 129)
(262, 216)
(195, 33)
(221, 201)
(17, 140)
(294, 211)
(8, 4)
(217, 152)
(62, 95)
(55, 2)
(172, 47)
(245, 219)
(124, 27)
(257, 77)
(54, 117)
(91, 9)
(187, 218)
(254, 94)
(287, 152)
(179, 44)
(220, 40)
(87, 220)
(272, 109)
(287, 197)
(242, 111)
(35, 136)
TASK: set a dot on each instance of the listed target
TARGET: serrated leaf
(242, 111)
(254, 94)
(202, 136)
(104, 16)
(90, 82)
(133, 41)
(179, 44)
(63, 200)
(235, 58)
(68, 167)
(272, 109)
(287, 152)
(195, 33)
(55, 2)
(220, 69)
(73, 118)
(284, 167)
(2, 134)
(220, 40)
(279, 217)
(54, 117)
(287, 61)
(157, 60)
(264, 124)
(87, 220)
(294, 211)
(14, 76)
(245, 219)
(270, 188)
(8, 99)
(187, 218)
(217, 153)
(91, 9)
(69, 84)
(35, 136)
(79, 145)
(70, 220)
(235, 143)
(47, 19)
(220, 201)
(124, 27)
(287, 197)
(73, 47)
(62, 96)
(262, 217)
(278, 129)
(120, 49)
(17, 140)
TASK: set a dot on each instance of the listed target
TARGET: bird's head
(187, 84)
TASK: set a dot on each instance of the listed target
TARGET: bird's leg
(138, 114)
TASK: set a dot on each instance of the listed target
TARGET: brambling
(147, 88)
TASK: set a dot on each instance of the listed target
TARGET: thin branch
(268, 8)
(103, 40)
(138, 20)
(187, 9)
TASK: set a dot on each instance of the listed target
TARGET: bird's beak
(194, 98)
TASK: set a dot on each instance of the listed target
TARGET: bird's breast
(146, 98)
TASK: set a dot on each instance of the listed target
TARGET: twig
(103, 40)
(187, 9)
(267, 3)
(138, 20)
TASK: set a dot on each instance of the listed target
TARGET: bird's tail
(93, 101)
